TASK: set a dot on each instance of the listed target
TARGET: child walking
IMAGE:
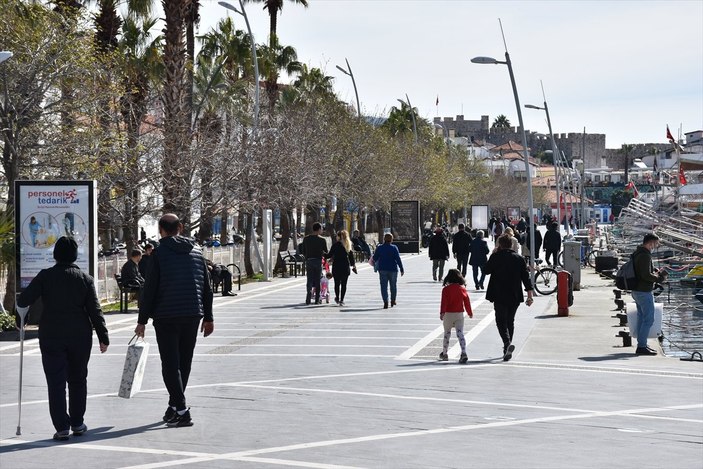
(455, 300)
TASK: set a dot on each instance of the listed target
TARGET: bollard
(626, 339)
(565, 296)
(622, 317)
(618, 294)
(620, 305)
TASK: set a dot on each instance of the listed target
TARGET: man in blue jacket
(176, 295)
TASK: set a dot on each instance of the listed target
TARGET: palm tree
(501, 122)
(273, 59)
(175, 181)
(274, 7)
(400, 120)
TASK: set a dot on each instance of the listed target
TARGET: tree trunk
(249, 229)
(380, 220)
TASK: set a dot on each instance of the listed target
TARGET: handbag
(134, 366)
(371, 261)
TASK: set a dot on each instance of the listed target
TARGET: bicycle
(545, 277)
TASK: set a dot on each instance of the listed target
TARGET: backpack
(625, 278)
(498, 228)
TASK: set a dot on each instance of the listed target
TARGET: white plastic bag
(134, 366)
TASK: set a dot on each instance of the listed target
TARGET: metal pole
(256, 67)
(19, 392)
(530, 208)
(554, 156)
(349, 73)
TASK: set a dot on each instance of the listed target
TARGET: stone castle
(588, 147)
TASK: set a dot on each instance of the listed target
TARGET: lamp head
(342, 70)
(532, 106)
(484, 60)
(229, 7)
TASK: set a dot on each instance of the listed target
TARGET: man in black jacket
(313, 247)
(552, 243)
(177, 295)
(461, 246)
(439, 253)
(146, 259)
(507, 270)
(642, 293)
(130, 275)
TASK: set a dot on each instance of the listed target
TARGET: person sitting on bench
(221, 274)
(131, 278)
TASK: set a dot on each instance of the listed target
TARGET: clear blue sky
(622, 68)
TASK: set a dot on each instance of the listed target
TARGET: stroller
(324, 282)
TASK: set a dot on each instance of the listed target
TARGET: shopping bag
(134, 366)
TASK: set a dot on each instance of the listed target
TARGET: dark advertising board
(405, 225)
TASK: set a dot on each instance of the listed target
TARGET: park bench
(295, 263)
(124, 293)
(216, 284)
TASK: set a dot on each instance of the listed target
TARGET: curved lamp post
(349, 73)
(555, 152)
(491, 60)
(253, 56)
(412, 113)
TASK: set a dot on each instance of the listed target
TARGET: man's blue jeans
(386, 277)
(645, 315)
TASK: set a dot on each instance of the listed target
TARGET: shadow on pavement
(547, 316)
(451, 362)
(614, 356)
(97, 434)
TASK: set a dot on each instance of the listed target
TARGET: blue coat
(386, 257)
(479, 252)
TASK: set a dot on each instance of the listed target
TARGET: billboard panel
(45, 211)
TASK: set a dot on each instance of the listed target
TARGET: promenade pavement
(281, 384)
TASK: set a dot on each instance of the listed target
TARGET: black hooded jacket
(177, 283)
(71, 307)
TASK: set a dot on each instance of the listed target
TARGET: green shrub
(7, 322)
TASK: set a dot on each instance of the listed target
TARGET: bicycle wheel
(560, 259)
(591, 259)
(546, 281)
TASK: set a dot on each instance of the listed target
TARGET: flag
(682, 176)
(631, 186)
(669, 136)
(437, 102)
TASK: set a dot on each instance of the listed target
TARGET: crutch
(22, 313)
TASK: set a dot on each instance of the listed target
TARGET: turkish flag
(682, 176)
(668, 135)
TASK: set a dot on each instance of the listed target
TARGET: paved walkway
(281, 384)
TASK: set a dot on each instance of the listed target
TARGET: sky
(626, 69)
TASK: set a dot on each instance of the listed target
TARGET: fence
(109, 292)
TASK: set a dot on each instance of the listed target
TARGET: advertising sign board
(47, 210)
(405, 225)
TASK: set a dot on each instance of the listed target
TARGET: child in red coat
(455, 300)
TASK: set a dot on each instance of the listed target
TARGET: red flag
(631, 186)
(669, 136)
(682, 176)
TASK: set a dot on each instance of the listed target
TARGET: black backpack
(625, 278)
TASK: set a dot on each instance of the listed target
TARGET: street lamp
(491, 60)
(243, 12)
(555, 152)
(348, 72)
(4, 55)
(412, 113)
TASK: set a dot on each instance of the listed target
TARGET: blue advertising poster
(45, 211)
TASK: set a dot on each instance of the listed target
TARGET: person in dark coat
(461, 246)
(220, 274)
(538, 241)
(313, 247)
(479, 255)
(71, 312)
(439, 253)
(177, 295)
(130, 275)
(507, 270)
(146, 259)
(552, 243)
(342, 265)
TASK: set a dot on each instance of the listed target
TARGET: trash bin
(572, 261)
